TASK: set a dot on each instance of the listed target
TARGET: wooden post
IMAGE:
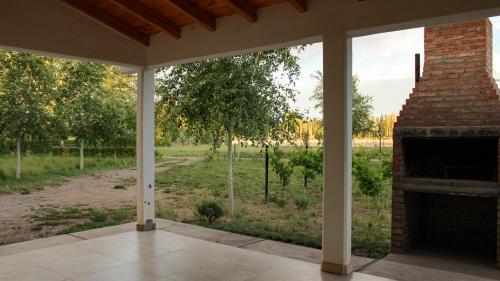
(417, 68)
(18, 158)
(266, 178)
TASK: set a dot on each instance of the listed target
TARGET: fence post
(266, 180)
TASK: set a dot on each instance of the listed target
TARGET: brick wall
(457, 87)
(456, 90)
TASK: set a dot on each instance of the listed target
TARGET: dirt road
(90, 191)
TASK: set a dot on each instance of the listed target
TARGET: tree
(117, 122)
(362, 105)
(26, 87)
(79, 102)
(311, 160)
(245, 96)
(116, 125)
(282, 168)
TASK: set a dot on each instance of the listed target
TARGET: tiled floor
(157, 255)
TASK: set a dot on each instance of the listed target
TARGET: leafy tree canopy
(248, 94)
(362, 105)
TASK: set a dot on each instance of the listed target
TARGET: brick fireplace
(446, 147)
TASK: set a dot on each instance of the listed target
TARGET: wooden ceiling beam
(243, 8)
(112, 22)
(197, 14)
(150, 16)
(300, 5)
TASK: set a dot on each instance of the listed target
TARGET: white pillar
(337, 118)
(145, 151)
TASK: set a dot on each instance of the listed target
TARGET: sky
(384, 64)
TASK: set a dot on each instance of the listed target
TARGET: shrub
(301, 202)
(281, 202)
(99, 216)
(119, 186)
(370, 179)
(167, 190)
(311, 160)
(210, 210)
(282, 168)
(3, 176)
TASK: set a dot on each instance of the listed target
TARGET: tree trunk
(239, 148)
(214, 151)
(18, 158)
(230, 170)
(114, 154)
(82, 166)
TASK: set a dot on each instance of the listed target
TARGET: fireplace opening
(451, 158)
(460, 224)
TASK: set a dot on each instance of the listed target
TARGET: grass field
(42, 170)
(185, 186)
(203, 150)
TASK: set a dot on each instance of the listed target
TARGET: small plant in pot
(210, 210)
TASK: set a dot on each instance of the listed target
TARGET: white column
(337, 118)
(145, 150)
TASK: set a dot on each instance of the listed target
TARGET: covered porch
(93, 32)
(121, 253)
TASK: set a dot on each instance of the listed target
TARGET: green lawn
(40, 170)
(203, 150)
(185, 186)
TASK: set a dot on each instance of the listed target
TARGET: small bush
(3, 176)
(99, 216)
(119, 186)
(273, 198)
(25, 191)
(167, 190)
(281, 202)
(301, 202)
(210, 210)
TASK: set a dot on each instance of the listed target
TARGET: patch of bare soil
(90, 191)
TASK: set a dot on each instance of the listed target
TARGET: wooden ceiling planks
(139, 19)
(244, 8)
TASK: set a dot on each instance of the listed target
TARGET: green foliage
(210, 210)
(362, 105)
(362, 108)
(248, 94)
(3, 176)
(370, 178)
(120, 186)
(311, 160)
(99, 216)
(281, 202)
(286, 223)
(301, 202)
(26, 88)
(281, 167)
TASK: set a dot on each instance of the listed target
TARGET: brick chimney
(457, 86)
(446, 159)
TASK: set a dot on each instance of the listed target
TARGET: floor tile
(32, 274)
(122, 273)
(133, 252)
(14, 263)
(84, 265)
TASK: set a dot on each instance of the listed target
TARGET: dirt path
(90, 191)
